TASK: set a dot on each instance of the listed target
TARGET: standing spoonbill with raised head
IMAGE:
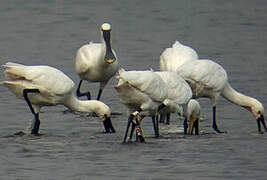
(209, 79)
(96, 62)
(47, 86)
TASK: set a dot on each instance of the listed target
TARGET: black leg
(260, 121)
(214, 125)
(79, 94)
(168, 118)
(128, 126)
(196, 126)
(36, 126)
(112, 129)
(155, 126)
(185, 126)
(132, 130)
(130, 120)
(36, 115)
(99, 94)
(263, 122)
(162, 118)
(108, 126)
(259, 125)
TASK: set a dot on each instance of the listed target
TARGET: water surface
(72, 146)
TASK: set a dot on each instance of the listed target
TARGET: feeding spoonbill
(177, 55)
(142, 92)
(96, 62)
(146, 92)
(209, 79)
(193, 116)
(179, 93)
(47, 86)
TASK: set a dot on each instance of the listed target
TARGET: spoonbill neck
(251, 104)
(88, 106)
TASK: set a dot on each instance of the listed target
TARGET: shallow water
(72, 146)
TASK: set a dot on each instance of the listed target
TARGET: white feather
(55, 88)
(207, 79)
(90, 64)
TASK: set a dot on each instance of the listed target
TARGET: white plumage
(145, 91)
(193, 116)
(179, 92)
(178, 51)
(97, 62)
(209, 79)
(176, 56)
(142, 92)
(141, 89)
(47, 86)
(206, 77)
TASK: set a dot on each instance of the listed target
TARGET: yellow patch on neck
(111, 60)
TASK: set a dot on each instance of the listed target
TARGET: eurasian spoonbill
(47, 86)
(96, 62)
(142, 92)
(193, 116)
(209, 79)
(147, 92)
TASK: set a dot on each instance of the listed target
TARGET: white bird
(46, 86)
(96, 62)
(209, 79)
(142, 92)
(176, 56)
(148, 91)
(193, 116)
(179, 93)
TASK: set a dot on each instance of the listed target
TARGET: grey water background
(232, 33)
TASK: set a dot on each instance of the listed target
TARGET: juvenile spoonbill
(47, 86)
(193, 116)
(209, 79)
(96, 62)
